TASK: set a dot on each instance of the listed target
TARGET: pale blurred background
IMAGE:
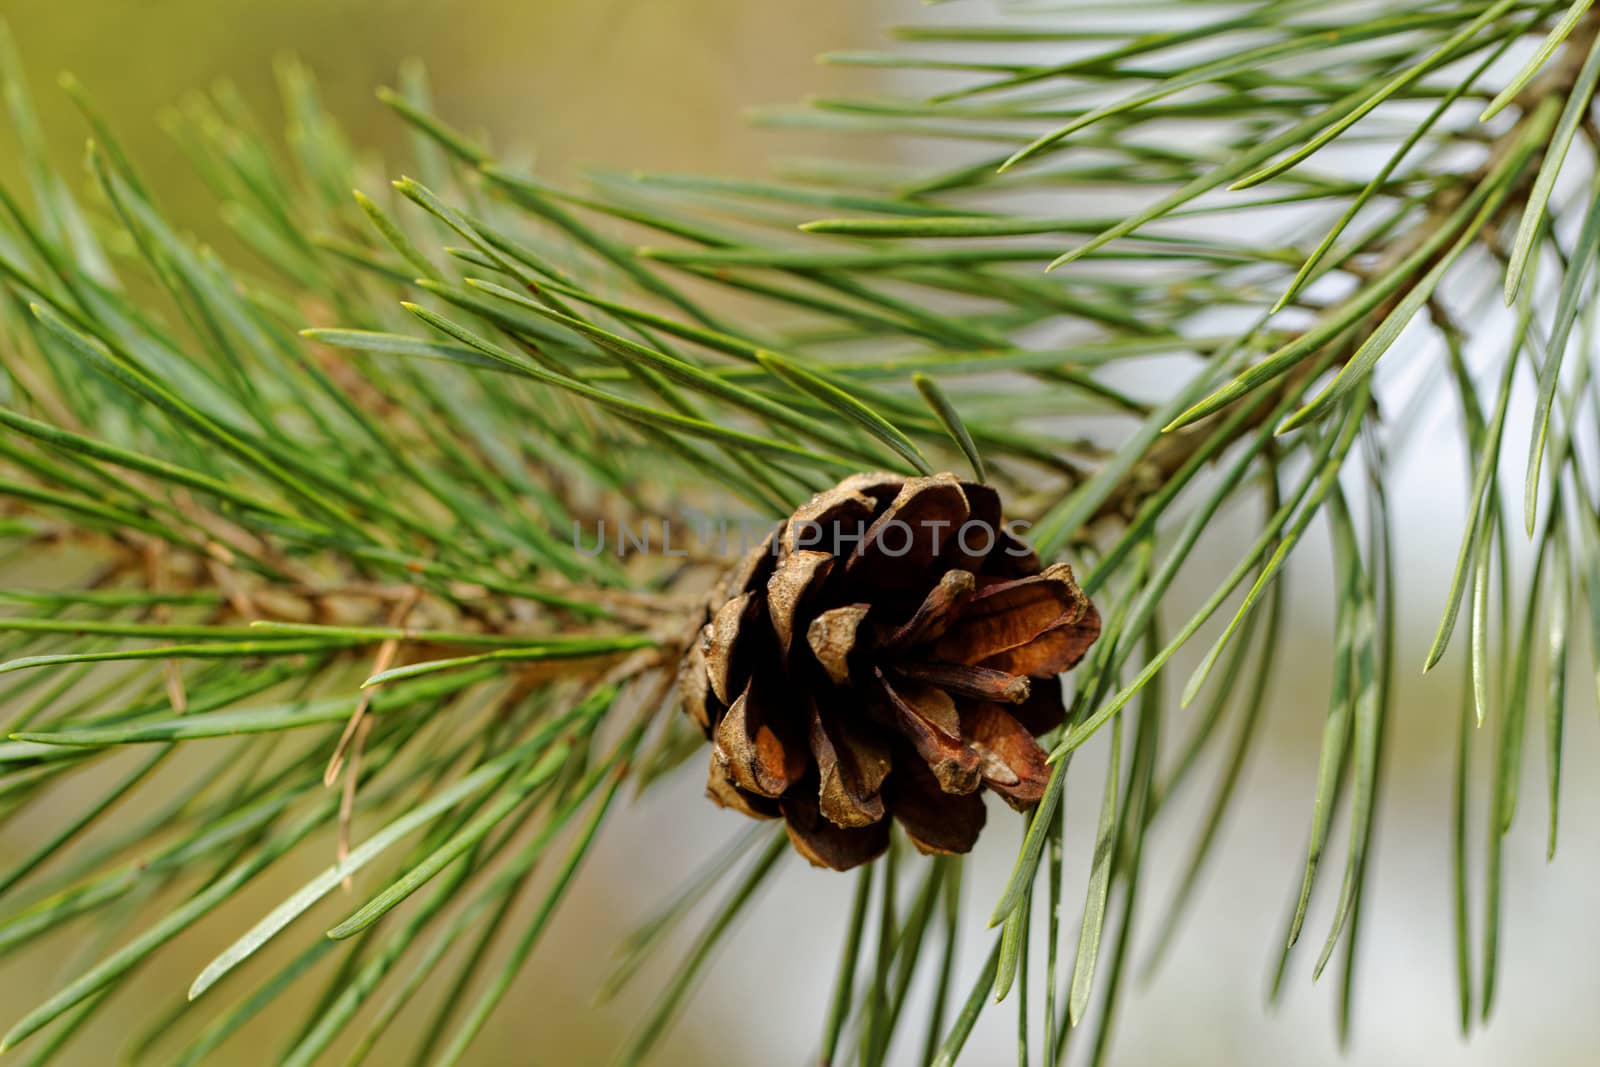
(662, 83)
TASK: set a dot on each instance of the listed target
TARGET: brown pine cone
(889, 650)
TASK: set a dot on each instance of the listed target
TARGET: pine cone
(890, 649)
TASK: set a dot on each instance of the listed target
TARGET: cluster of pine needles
(286, 550)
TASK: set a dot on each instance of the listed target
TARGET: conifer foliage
(287, 564)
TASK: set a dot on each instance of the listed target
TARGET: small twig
(347, 797)
(381, 663)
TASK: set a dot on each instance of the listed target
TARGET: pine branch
(326, 500)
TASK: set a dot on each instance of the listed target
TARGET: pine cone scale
(823, 842)
(792, 585)
(935, 821)
(759, 741)
(901, 547)
(832, 638)
(1011, 762)
(936, 613)
(928, 718)
(852, 768)
(1009, 614)
(958, 679)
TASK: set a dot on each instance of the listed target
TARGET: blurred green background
(662, 84)
(616, 83)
